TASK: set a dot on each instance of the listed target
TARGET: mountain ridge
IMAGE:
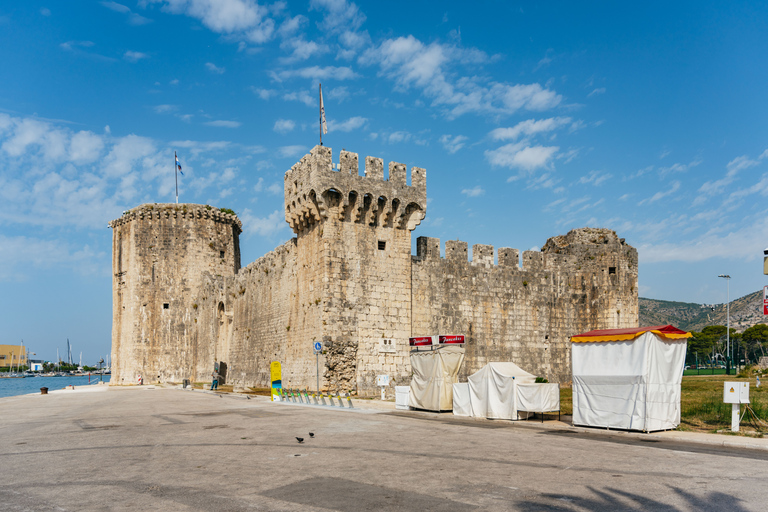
(746, 311)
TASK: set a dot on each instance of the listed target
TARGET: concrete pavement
(168, 449)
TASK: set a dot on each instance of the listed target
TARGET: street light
(728, 322)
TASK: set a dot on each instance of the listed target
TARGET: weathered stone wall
(160, 254)
(527, 314)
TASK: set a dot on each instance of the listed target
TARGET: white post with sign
(317, 348)
(382, 381)
(736, 393)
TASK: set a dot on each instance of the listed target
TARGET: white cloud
(411, 63)
(200, 147)
(747, 242)
(711, 188)
(284, 125)
(678, 167)
(596, 92)
(473, 192)
(337, 93)
(263, 226)
(275, 189)
(45, 11)
(164, 109)
(522, 156)
(292, 25)
(71, 45)
(301, 49)
(241, 19)
(529, 127)
(224, 124)
(595, 178)
(133, 18)
(351, 124)
(354, 41)
(117, 7)
(18, 253)
(453, 143)
(53, 176)
(339, 15)
(291, 151)
(302, 96)
(264, 94)
(132, 56)
(545, 61)
(213, 68)
(315, 73)
(674, 187)
(85, 147)
(400, 136)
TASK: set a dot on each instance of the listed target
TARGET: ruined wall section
(578, 282)
(354, 239)
(160, 255)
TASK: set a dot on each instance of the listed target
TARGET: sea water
(13, 387)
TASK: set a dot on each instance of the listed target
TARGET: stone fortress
(182, 302)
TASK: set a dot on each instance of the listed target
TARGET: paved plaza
(176, 450)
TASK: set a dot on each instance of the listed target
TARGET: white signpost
(317, 348)
(736, 393)
(382, 381)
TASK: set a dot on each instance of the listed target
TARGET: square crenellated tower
(353, 261)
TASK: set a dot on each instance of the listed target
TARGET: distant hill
(745, 312)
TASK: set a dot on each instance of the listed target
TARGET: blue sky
(531, 119)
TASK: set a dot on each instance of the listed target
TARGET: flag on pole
(322, 112)
(178, 165)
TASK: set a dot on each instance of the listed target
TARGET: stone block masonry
(182, 303)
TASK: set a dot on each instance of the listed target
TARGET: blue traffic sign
(318, 346)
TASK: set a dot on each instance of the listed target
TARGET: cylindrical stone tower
(160, 254)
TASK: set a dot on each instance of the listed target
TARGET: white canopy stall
(501, 390)
(434, 373)
(628, 378)
(493, 390)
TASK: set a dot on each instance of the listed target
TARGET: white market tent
(628, 378)
(501, 390)
(434, 373)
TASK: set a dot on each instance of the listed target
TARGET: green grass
(702, 406)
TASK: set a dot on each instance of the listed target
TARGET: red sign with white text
(420, 341)
(452, 338)
(765, 300)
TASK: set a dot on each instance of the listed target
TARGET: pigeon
(247, 397)
(311, 434)
(300, 439)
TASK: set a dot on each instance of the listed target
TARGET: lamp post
(728, 322)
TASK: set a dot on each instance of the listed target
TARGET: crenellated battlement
(158, 211)
(580, 247)
(316, 188)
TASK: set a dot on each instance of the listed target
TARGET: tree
(711, 337)
(755, 341)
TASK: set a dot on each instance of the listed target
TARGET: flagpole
(176, 176)
(320, 113)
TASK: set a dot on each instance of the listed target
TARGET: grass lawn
(703, 410)
(702, 407)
